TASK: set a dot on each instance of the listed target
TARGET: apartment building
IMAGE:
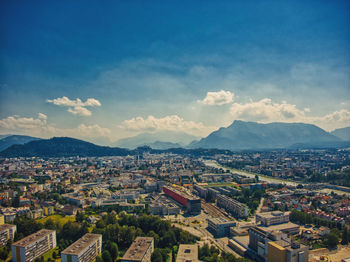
(7, 232)
(84, 249)
(140, 250)
(234, 207)
(33, 246)
(272, 218)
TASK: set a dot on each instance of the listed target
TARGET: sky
(104, 71)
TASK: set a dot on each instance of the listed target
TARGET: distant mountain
(342, 133)
(61, 147)
(10, 140)
(242, 135)
(163, 145)
(66, 147)
(167, 138)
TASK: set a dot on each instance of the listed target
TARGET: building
(140, 250)
(187, 253)
(272, 218)
(220, 226)
(163, 206)
(84, 249)
(287, 251)
(7, 232)
(234, 207)
(192, 204)
(33, 246)
(266, 246)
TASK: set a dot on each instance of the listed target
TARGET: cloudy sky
(101, 72)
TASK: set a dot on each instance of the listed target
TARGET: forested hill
(66, 146)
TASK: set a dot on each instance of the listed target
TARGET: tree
(113, 249)
(332, 240)
(99, 259)
(106, 256)
(157, 256)
(345, 236)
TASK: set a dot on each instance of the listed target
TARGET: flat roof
(280, 246)
(279, 227)
(6, 226)
(187, 253)
(33, 238)
(273, 214)
(78, 246)
(221, 220)
(138, 249)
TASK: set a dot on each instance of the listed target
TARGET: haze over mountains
(242, 135)
(157, 140)
(239, 135)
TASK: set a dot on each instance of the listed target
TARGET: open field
(57, 219)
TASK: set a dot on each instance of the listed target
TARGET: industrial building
(192, 204)
(7, 232)
(234, 207)
(220, 226)
(33, 246)
(272, 218)
(84, 249)
(140, 250)
(187, 253)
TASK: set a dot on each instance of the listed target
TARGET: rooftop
(6, 226)
(221, 220)
(33, 238)
(138, 249)
(187, 253)
(78, 246)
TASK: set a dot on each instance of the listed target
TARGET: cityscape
(175, 131)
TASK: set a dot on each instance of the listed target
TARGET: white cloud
(77, 106)
(13, 123)
(40, 128)
(221, 97)
(266, 111)
(171, 123)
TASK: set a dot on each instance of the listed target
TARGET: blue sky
(190, 66)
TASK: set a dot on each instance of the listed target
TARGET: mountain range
(239, 135)
(342, 133)
(9, 140)
(157, 140)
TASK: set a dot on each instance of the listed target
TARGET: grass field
(57, 219)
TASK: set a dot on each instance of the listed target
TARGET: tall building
(272, 218)
(140, 250)
(236, 208)
(33, 246)
(84, 249)
(192, 204)
(7, 232)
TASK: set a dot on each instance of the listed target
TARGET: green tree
(106, 256)
(157, 256)
(113, 249)
(332, 240)
(99, 259)
(345, 236)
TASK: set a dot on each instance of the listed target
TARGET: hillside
(10, 140)
(242, 135)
